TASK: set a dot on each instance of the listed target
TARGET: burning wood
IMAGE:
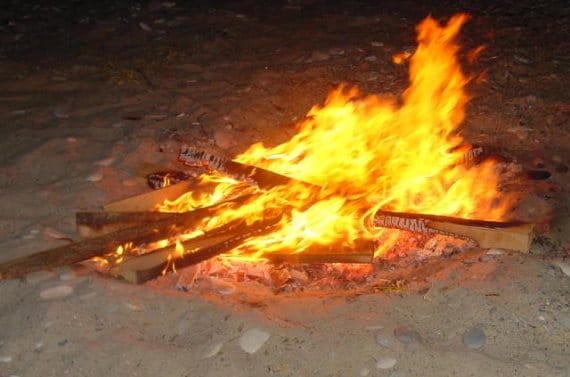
(140, 269)
(487, 234)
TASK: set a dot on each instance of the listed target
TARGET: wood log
(361, 252)
(93, 224)
(487, 234)
(150, 200)
(107, 243)
(264, 179)
(140, 269)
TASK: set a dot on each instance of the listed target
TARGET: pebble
(386, 363)
(364, 372)
(564, 267)
(55, 234)
(495, 252)
(224, 139)
(106, 161)
(39, 346)
(213, 350)
(384, 340)
(58, 292)
(5, 359)
(397, 373)
(67, 275)
(406, 335)
(95, 177)
(371, 58)
(144, 26)
(474, 338)
(253, 339)
(38, 276)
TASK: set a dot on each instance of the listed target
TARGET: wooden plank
(93, 224)
(264, 179)
(149, 200)
(140, 269)
(487, 234)
(361, 252)
(89, 248)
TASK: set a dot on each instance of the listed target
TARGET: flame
(367, 153)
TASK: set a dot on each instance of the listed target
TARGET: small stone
(371, 58)
(253, 339)
(106, 161)
(213, 350)
(58, 292)
(38, 276)
(132, 307)
(564, 267)
(406, 335)
(67, 275)
(224, 139)
(364, 372)
(145, 26)
(495, 252)
(318, 56)
(95, 177)
(5, 359)
(398, 373)
(39, 346)
(386, 363)
(474, 338)
(384, 340)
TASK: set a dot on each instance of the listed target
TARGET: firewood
(149, 200)
(142, 268)
(264, 179)
(512, 235)
(89, 248)
(362, 252)
(92, 224)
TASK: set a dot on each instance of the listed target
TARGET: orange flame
(368, 153)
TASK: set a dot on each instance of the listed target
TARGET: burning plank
(140, 269)
(264, 179)
(89, 248)
(362, 252)
(91, 224)
(487, 234)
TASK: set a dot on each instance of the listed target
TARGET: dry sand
(91, 100)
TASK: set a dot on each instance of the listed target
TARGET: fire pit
(361, 174)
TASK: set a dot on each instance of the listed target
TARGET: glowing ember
(367, 153)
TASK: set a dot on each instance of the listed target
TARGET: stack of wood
(135, 221)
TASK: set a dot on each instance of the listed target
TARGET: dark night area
(98, 98)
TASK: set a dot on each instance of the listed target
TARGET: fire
(367, 153)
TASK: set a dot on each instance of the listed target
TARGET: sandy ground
(93, 96)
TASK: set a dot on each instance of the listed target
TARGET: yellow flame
(367, 153)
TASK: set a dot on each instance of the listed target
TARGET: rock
(224, 139)
(384, 340)
(5, 359)
(564, 267)
(364, 372)
(253, 339)
(406, 335)
(386, 363)
(398, 373)
(38, 277)
(495, 252)
(474, 338)
(106, 161)
(95, 177)
(58, 292)
(67, 274)
(213, 350)
(144, 26)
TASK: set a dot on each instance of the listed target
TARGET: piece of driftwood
(263, 178)
(361, 252)
(107, 243)
(487, 234)
(142, 268)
